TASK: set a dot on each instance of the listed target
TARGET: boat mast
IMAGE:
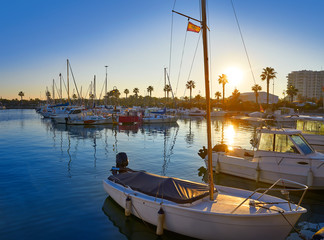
(53, 91)
(61, 87)
(164, 83)
(209, 145)
(106, 95)
(68, 85)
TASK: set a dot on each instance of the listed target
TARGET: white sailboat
(199, 210)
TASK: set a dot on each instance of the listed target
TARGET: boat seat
(242, 153)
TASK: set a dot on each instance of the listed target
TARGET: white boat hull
(169, 119)
(198, 222)
(269, 169)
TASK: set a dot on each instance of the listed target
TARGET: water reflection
(132, 227)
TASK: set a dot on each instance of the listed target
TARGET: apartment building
(308, 83)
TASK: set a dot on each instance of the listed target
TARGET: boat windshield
(284, 143)
(302, 144)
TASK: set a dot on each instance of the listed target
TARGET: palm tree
(236, 95)
(218, 95)
(21, 94)
(126, 91)
(256, 89)
(222, 79)
(114, 93)
(150, 90)
(292, 91)
(268, 74)
(48, 95)
(136, 91)
(190, 85)
(167, 89)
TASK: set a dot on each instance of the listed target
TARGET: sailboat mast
(164, 82)
(209, 144)
(68, 84)
(61, 87)
(106, 87)
(53, 91)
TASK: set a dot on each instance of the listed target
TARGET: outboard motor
(121, 163)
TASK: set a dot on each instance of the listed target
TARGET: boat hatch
(284, 143)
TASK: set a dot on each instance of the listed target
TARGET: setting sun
(234, 75)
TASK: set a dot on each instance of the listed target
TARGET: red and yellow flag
(193, 28)
(261, 108)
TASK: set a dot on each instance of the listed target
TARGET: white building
(250, 96)
(308, 83)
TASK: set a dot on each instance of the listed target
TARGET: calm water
(51, 175)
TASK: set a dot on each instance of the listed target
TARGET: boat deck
(225, 203)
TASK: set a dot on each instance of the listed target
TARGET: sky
(138, 39)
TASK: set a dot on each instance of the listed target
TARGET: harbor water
(51, 175)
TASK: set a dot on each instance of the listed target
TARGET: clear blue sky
(133, 38)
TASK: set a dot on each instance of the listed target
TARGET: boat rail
(284, 191)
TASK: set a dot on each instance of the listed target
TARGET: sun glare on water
(234, 75)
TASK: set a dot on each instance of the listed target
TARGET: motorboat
(88, 118)
(196, 112)
(217, 112)
(158, 117)
(279, 152)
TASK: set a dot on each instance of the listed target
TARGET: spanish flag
(261, 108)
(193, 28)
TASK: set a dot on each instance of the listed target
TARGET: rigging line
(76, 87)
(57, 90)
(210, 51)
(193, 60)
(184, 44)
(171, 37)
(102, 90)
(64, 85)
(238, 25)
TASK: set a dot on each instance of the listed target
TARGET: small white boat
(159, 118)
(217, 112)
(184, 207)
(89, 120)
(196, 112)
(61, 115)
(279, 153)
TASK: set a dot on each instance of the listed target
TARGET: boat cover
(172, 189)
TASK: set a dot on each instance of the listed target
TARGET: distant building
(308, 83)
(250, 96)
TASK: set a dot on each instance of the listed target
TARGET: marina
(51, 174)
(220, 156)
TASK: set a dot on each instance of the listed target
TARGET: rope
(193, 60)
(184, 44)
(171, 37)
(238, 25)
